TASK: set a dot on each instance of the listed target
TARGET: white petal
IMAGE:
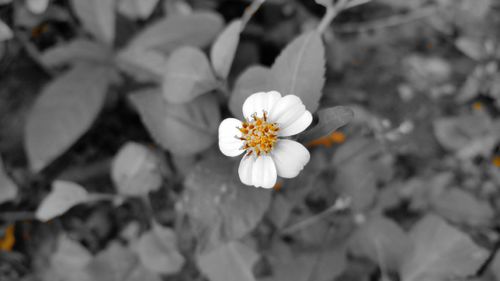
(290, 157)
(258, 171)
(289, 111)
(245, 169)
(229, 145)
(264, 172)
(297, 126)
(259, 102)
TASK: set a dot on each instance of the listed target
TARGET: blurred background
(104, 175)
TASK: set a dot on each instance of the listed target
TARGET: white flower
(269, 117)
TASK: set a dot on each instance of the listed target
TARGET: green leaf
(98, 17)
(70, 259)
(77, 50)
(361, 165)
(182, 129)
(136, 170)
(143, 65)
(253, 80)
(472, 47)
(440, 252)
(300, 70)
(455, 133)
(115, 263)
(232, 261)
(197, 29)
(383, 241)
(137, 9)
(64, 196)
(221, 208)
(64, 111)
(323, 264)
(330, 119)
(5, 32)
(37, 6)
(188, 75)
(8, 189)
(460, 206)
(157, 250)
(224, 49)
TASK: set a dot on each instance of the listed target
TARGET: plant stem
(331, 12)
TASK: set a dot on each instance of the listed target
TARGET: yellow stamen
(259, 135)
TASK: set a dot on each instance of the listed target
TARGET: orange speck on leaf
(496, 161)
(337, 137)
(477, 105)
(328, 141)
(8, 240)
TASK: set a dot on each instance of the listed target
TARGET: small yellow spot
(8, 240)
(496, 161)
(477, 106)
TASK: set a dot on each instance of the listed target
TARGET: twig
(388, 22)
(331, 13)
(250, 11)
(340, 204)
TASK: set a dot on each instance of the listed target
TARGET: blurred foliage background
(109, 168)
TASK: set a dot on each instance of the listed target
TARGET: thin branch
(388, 22)
(331, 13)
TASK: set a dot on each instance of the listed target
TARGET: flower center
(259, 135)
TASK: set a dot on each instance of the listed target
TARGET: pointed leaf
(157, 249)
(197, 29)
(188, 75)
(64, 196)
(300, 70)
(182, 129)
(440, 252)
(253, 80)
(224, 48)
(64, 111)
(98, 17)
(232, 261)
(136, 170)
(8, 189)
(330, 119)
